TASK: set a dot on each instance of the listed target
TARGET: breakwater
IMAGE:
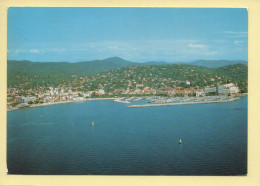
(183, 103)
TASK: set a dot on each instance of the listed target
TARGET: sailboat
(180, 142)
(93, 124)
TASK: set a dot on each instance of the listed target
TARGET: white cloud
(170, 50)
(211, 53)
(196, 46)
(35, 51)
(112, 47)
(219, 41)
(17, 51)
(232, 32)
(56, 49)
(239, 42)
(235, 34)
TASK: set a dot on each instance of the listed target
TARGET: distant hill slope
(217, 63)
(54, 73)
(162, 76)
(19, 68)
(155, 63)
(91, 67)
(65, 68)
(114, 73)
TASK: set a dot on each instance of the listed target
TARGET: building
(27, 99)
(199, 94)
(101, 91)
(229, 85)
(137, 91)
(221, 90)
(139, 85)
(234, 90)
(209, 90)
(88, 94)
(78, 99)
(47, 99)
(171, 93)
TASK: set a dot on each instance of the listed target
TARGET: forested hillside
(121, 74)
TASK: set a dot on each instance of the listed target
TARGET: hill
(168, 76)
(217, 63)
(155, 63)
(20, 68)
(66, 68)
(26, 75)
(118, 72)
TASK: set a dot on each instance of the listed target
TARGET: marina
(122, 101)
(186, 102)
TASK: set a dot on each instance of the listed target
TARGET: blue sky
(135, 34)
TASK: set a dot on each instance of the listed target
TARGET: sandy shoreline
(60, 102)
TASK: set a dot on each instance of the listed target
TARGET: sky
(135, 34)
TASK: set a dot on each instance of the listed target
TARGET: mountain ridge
(217, 63)
(15, 67)
(120, 61)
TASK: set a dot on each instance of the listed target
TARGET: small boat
(93, 124)
(180, 142)
(40, 116)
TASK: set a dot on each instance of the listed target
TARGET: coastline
(130, 106)
(59, 102)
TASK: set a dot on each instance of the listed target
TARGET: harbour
(185, 103)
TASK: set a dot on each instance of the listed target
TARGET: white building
(229, 85)
(27, 99)
(101, 91)
(234, 90)
(88, 94)
(198, 94)
(78, 99)
(47, 99)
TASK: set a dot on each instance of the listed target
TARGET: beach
(54, 103)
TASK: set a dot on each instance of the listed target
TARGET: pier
(183, 103)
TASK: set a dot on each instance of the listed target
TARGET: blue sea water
(128, 141)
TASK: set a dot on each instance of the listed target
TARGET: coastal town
(17, 99)
(40, 86)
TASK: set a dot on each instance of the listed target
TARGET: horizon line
(158, 61)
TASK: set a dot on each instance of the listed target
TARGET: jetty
(184, 103)
(122, 101)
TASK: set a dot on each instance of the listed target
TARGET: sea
(128, 141)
